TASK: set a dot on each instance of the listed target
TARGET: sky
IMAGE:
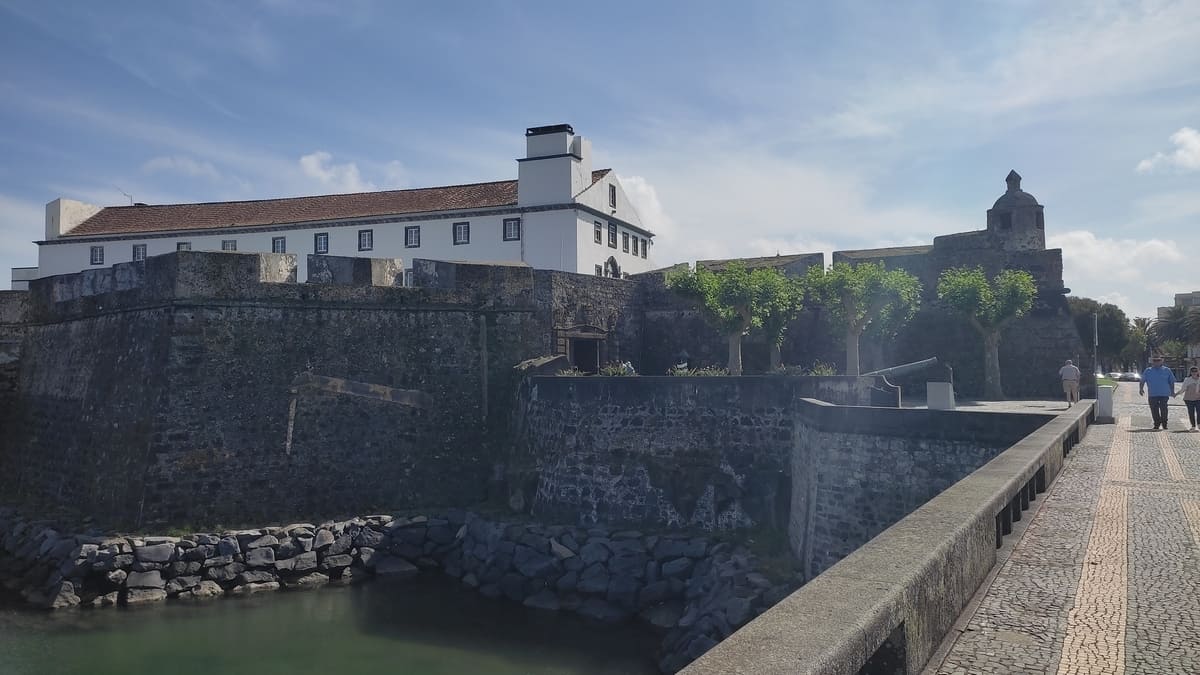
(738, 129)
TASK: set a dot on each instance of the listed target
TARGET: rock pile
(695, 590)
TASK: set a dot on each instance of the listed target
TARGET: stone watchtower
(1015, 222)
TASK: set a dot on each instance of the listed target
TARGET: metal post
(1095, 342)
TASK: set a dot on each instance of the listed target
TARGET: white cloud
(1137, 275)
(319, 166)
(395, 175)
(184, 165)
(21, 221)
(1186, 156)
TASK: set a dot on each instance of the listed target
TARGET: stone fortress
(207, 388)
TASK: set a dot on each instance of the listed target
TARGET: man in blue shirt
(1161, 382)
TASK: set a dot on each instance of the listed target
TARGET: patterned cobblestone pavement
(1106, 576)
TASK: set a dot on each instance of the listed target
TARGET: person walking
(1161, 382)
(1069, 374)
(1190, 388)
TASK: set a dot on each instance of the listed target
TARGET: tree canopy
(988, 305)
(1114, 327)
(736, 299)
(854, 297)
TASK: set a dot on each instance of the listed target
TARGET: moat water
(428, 626)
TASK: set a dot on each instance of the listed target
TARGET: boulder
(203, 591)
(151, 579)
(395, 567)
(593, 580)
(259, 542)
(322, 539)
(228, 546)
(663, 615)
(311, 580)
(181, 585)
(255, 577)
(142, 596)
(261, 557)
(595, 551)
(532, 563)
(340, 545)
(225, 573)
(305, 562)
(333, 562)
(248, 589)
(560, 551)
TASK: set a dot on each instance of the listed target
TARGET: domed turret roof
(1015, 196)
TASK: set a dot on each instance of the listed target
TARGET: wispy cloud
(1186, 156)
(1141, 272)
(183, 165)
(346, 177)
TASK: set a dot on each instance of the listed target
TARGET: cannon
(906, 368)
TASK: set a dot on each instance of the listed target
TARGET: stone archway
(611, 268)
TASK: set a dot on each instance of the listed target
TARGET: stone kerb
(896, 597)
(351, 271)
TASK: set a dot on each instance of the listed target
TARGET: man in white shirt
(1069, 374)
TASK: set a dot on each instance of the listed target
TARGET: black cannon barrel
(906, 368)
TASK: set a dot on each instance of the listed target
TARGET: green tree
(989, 306)
(862, 295)
(781, 300)
(1134, 354)
(1114, 327)
(736, 299)
(1171, 326)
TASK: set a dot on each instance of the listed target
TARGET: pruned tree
(857, 296)
(781, 301)
(734, 300)
(989, 307)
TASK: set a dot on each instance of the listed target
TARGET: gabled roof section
(773, 261)
(263, 212)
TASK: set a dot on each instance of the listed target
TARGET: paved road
(1106, 576)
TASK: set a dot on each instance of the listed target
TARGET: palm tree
(1169, 326)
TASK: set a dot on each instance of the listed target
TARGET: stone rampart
(887, 606)
(14, 319)
(171, 393)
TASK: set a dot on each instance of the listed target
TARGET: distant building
(1186, 300)
(559, 215)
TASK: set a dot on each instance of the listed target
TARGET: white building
(559, 214)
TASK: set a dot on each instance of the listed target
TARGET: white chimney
(557, 166)
(63, 215)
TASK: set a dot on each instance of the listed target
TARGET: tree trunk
(852, 352)
(735, 353)
(992, 390)
(776, 357)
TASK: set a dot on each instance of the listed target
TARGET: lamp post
(1095, 341)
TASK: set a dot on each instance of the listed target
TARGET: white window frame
(278, 244)
(139, 248)
(366, 240)
(635, 246)
(598, 235)
(412, 236)
(612, 236)
(320, 243)
(612, 196)
(462, 233)
(625, 242)
(96, 255)
(645, 246)
(515, 233)
(229, 245)
(599, 270)
(183, 246)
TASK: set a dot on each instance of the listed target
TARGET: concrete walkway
(1106, 576)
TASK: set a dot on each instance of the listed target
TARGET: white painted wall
(591, 254)
(62, 215)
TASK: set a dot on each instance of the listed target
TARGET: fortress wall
(867, 468)
(674, 452)
(564, 299)
(14, 316)
(175, 395)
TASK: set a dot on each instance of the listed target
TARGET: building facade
(559, 214)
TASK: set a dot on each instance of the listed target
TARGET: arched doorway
(611, 269)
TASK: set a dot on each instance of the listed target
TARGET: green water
(428, 626)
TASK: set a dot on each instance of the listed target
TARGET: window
(599, 233)
(278, 244)
(512, 229)
(625, 242)
(612, 236)
(366, 240)
(183, 246)
(139, 252)
(408, 277)
(229, 244)
(1005, 221)
(645, 245)
(97, 255)
(321, 243)
(599, 271)
(412, 236)
(462, 233)
(635, 245)
(612, 196)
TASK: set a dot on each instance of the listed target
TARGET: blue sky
(739, 128)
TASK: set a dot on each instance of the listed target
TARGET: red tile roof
(216, 215)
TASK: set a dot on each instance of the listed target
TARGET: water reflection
(430, 626)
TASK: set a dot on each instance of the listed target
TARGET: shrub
(616, 369)
(569, 372)
(822, 369)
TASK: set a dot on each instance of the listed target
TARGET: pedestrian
(1069, 374)
(1161, 382)
(1190, 388)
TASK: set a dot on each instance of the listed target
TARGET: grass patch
(1102, 381)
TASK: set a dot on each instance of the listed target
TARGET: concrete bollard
(939, 395)
(1104, 404)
